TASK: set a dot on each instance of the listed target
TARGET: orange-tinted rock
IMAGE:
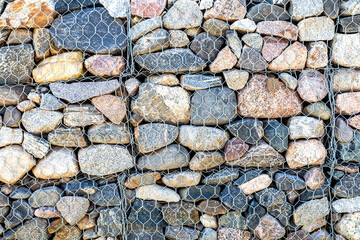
(147, 8)
(225, 60)
(86, 223)
(111, 106)
(293, 58)
(235, 149)
(347, 168)
(273, 47)
(312, 86)
(354, 122)
(347, 103)
(269, 228)
(226, 10)
(257, 102)
(28, 14)
(281, 29)
(47, 212)
(226, 233)
(314, 178)
(305, 153)
(105, 65)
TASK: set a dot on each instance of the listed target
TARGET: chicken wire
(156, 119)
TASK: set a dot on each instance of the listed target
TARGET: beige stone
(181, 179)
(236, 79)
(142, 179)
(166, 79)
(157, 193)
(72, 208)
(225, 60)
(345, 50)
(26, 105)
(347, 103)
(293, 58)
(305, 127)
(317, 55)
(113, 107)
(9, 136)
(256, 184)
(346, 80)
(39, 121)
(314, 178)
(209, 221)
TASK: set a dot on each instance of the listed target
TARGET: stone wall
(179, 119)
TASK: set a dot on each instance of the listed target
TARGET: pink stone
(269, 228)
(278, 28)
(226, 10)
(226, 233)
(347, 103)
(235, 149)
(273, 47)
(225, 60)
(312, 86)
(292, 58)
(105, 65)
(147, 8)
(314, 178)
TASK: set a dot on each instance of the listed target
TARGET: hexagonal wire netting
(179, 119)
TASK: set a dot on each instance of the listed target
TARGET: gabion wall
(180, 119)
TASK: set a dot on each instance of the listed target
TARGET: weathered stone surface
(171, 157)
(209, 221)
(20, 193)
(270, 197)
(132, 86)
(234, 42)
(50, 102)
(195, 82)
(257, 102)
(67, 137)
(314, 178)
(215, 27)
(231, 10)
(117, 9)
(166, 79)
(232, 233)
(273, 47)
(269, 228)
(248, 130)
(236, 79)
(267, 12)
(354, 122)
(213, 106)
(141, 179)
(36, 146)
(199, 192)
(346, 80)
(181, 179)
(100, 160)
(349, 205)
(347, 103)
(20, 211)
(343, 133)
(225, 60)
(59, 163)
(178, 214)
(317, 55)
(290, 81)
(68, 232)
(19, 36)
(347, 226)
(72, 208)
(82, 115)
(302, 9)
(349, 24)
(305, 127)
(309, 211)
(256, 184)
(316, 29)
(212, 207)
(345, 50)
(45, 197)
(109, 134)
(244, 26)
(105, 65)
(235, 149)
(285, 181)
(345, 187)
(146, 214)
(41, 43)
(206, 160)
(17, 63)
(110, 222)
(202, 138)
(183, 14)
(47, 212)
(12, 117)
(9, 136)
(32, 229)
(178, 39)
(305, 153)
(113, 107)
(152, 42)
(13, 95)
(292, 58)
(206, 46)
(276, 134)
(348, 151)
(181, 232)
(75, 31)
(234, 198)
(66, 5)
(281, 29)
(251, 59)
(80, 91)
(106, 196)
(157, 193)
(221, 177)
(144, 27)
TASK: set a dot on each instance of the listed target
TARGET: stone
(177, 60)
(347, 103)
(178, 214)
(41, 43)
(132, 86)
(345, 187)
(183, 14)
(86, 223)
(206, 4)
(302, 9)
(347, 226)
(82, 115)
(80, 91)
(105, 65)
(231, 10)
(273, 47)
(316, 29)
(181, 179)
(141, 179)
(354, 122)
(348, 151)
(346, 80)
(212, 207)
(195, 82)
(305, 127)
(206, 160)
(270, 197)
(317, 55)
(290, 81)
(343, 132)
(58, 164)
(225, 60)
(346, 205)
(247, 130)
(221, 177)
(349, 24)
(47, 212)
(281, 29)
(153, 136)
(28, 14)
(72, 208)
(292, 58)
(209, 221)
(4, 33)
(62, 67)
(192, 32)
(67, 137)
(256, 184)
(113, 107)
(253, 40)
(318, 110)
(345, 50)
(45, 197)
(34, 96)
(285, 181)
(252, 60)
(232, 233)
(15, 69)
(269, 228)
(100, 160)
(117, 9)
(21, 193)
(19, 36)
(144, 27)
(12, 117)
(202, 138)
(244, 26)
(312, 210)
(16, 163)
(110, 222)
(276, 134)
(236, 79)
(305, 153)
(213, 106)
(234, 42)
(10, 136)
(234, 198)
(106, 196)
(181, 232)
(26, 105)
(157, 193)
(50, 102)
(171, 157)
(109, 133)
(146, 233)
(81, 187)
(36, 146)
(267, 12)
(75, 31)
(68, 232)
(32, 229)
(152, 42)
(282, 212)
(178, 39)
(146, 214)
(206, 46)
(20, 211)
(208, 233)
(13, 95)
(166, 79)
(215, 27)
(349, 8)
(260, 155)
(348, 168)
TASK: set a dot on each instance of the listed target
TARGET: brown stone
(281, 29)
(67, 137)
(177, 214)
(226, 10)
(13, 95)
(67, 232)
(215, 27)
(19, 36)
(47, 212)
(212, 207)
(312, 86)
(294, 57)
(105, 65)
(147, 8)
(225, 60)
(347, 103)
(317, 55)
(343, 132)
(316, 224)
(12, 117)
(354, 122)
(256, 184)
(26, 105)
(141, 179)
(111, 106)
(305, 153)
(314, 178)
(257, 102)
(273, 47)
(235, 149)
(56, 225)
(269, 228)
(347, 168)
(86, 223)
(226, 233)
(206, 160)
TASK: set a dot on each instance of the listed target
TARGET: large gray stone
(206, 46)
(316, 29)
(109, 133)
(309, 212)
(350, 24)
(349, 151)
(110, 222)
(106, 196)
(183, 14)
(144, 27)
(45, 197)
(300, 9)
(251, 59)
(248, 130)
(267, 12)
(32, 229)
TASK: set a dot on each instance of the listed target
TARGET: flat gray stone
(109, 133)
(106, 196)
(144, 27)
(267, 12)
(251, 59)
(45, 197)
(349, 24)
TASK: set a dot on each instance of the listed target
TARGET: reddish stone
(278, 28)
(269, 228)
(347, 168)
(226, 10)
(273, 47)
(257, 102)
(226, 233)
(147, 8)
(113, 107)
(47, 212)
(225, 60)
(235, 149)
(354, 122)
(303, 153)
(347, 103)
(105, 65)
(292, 58)
(312, 86)
(314, 178)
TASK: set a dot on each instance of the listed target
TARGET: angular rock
(144, 27)
(19, 36)
(10, 136)
(181, 179)
(67, 137)
(132, 86)
(276, 134)
(178, 39)
(270, 197)
(206, 46)
(166, 79)
(343, 133)
(80, 91)
(349, 151)
(269, 228)
(225, 60)
(181, 232)
(267, 12)
(347, 103)
(152, 42)
(106, 196)
(354, 122)
(20, 211)
(32, 229)
(202, 138)
(157, 193)
(285, 181)
(212, 207)
(231, 10)
(317, 55)
(308, 8)
(36, 146)
(183, 14)
(146, 214)
(244, 26)
(113, 107)
(273, 47)
(281, 29)
(236, 79)
(105, 65)
(305, 153)
(141, 179)
(234, 198)
(247, 130)
(251, 59)
(282, 212)
(26, 105)
(310, 211)
(13, 95)
(73, 209)
(346, 80)
(314, 178)
(233, 219)
(50, 102)
(178, 214)
(117, 9)
(331, 8)
(345, 187)
(316, 29)
(349, 24)
(194, 82)
(82, 115)
(345, 50)
(232, 233)
(234, 42)
(349, 205)
(199, 192)
(221, 177)
(347, 226)
(292, 58)
(109, 134)
(100, 160)
(216, 27)
(206, 160)
(290, 81)
(110, 222)
(256, 184)
(305, 127)
(45, 197)
(76, 31)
